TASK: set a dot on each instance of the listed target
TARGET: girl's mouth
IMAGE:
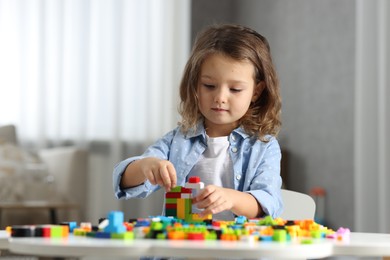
(219, 109)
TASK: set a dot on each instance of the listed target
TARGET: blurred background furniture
(42, 187)
(297, 205)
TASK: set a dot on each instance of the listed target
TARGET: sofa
(54, 174)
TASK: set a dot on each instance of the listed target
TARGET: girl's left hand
(213, 199)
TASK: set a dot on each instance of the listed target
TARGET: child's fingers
(158, 178)
(215, 205)
(150, 176)
(165, 177)
(214, 208)
(172, 175)
(203, 194)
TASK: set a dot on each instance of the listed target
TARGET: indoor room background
(104, 76)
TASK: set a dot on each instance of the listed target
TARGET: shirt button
(234, 149)
(238, 177)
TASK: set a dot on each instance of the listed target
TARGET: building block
(280, 235)
(71, 224)
(115, 222)
(124, 236)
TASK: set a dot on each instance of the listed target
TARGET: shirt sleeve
(267, 182)
(160, 149)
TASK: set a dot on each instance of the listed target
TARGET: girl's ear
(258, 90)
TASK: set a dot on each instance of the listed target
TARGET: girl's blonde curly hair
(240, 43)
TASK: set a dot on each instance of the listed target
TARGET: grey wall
(313, 46)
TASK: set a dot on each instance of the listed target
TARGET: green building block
(125, 235)
(280, 235)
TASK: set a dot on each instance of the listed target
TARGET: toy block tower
(178, 201)
(195, 185)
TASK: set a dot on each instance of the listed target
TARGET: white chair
(297, 206)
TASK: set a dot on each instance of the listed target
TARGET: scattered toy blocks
(182, 223)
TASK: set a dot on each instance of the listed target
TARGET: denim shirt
(256, 165)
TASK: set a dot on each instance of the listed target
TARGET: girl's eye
(235, 90)
(208, 86)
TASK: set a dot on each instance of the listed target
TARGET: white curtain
(85, 71)
(90, 69)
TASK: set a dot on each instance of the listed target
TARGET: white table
(83, 246)
(364, 244)
(241, 250)
(360, 244)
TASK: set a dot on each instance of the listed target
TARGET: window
(86, 70)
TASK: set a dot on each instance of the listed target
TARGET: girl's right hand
(159, 172)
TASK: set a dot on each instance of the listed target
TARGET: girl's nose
(220, 96)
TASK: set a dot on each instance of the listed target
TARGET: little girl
(230, 109)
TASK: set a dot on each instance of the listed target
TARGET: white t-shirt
(215, 167)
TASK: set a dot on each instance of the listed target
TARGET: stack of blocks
(178, 201)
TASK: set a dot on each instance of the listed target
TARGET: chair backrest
(297, 206)
(69, 167)
(8, 134)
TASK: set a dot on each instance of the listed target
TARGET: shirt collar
(240, 131)
(201, 132)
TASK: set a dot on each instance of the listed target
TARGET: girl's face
(225, 90)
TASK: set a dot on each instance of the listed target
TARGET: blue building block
(115, 222)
